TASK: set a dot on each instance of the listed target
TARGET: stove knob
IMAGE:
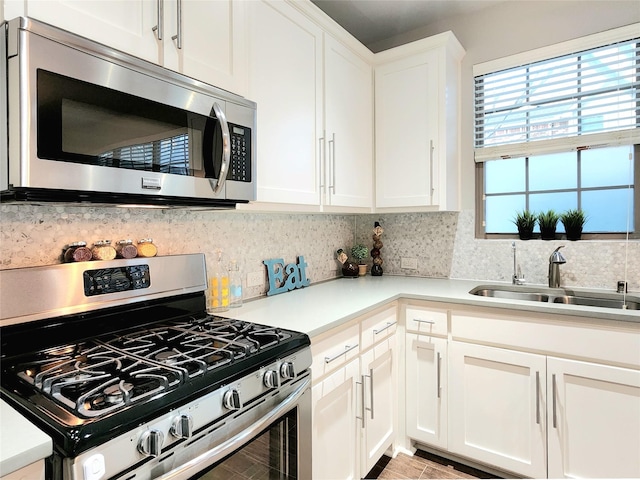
(231, 400)
(182, 426)
(150, 443)
(286, 370)
(270, 379)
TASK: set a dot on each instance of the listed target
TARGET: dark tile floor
(422, 465)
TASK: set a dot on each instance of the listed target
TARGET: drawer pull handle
(538, 398)
(554, 388)
(439, 386)
(418, 320)
(389, 324)
(347, 348)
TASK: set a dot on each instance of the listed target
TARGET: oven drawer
(334, 350)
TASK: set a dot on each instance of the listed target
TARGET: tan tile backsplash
(442, 243)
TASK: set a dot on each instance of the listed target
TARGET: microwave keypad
(240, 165)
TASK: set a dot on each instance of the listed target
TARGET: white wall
(513, 27)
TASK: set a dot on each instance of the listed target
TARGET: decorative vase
(574, 234)
(548, 233)
(362, 269)
(376, 269)
(349, 269)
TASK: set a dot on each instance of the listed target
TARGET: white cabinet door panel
(594, 420)
(426, 389)
(497, 405)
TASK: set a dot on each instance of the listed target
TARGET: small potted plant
(573, 221)
(548, 222)
(359, 252)
(525, 222)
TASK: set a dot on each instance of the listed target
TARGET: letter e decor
(283, 278)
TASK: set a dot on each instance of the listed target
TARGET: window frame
(543, 54)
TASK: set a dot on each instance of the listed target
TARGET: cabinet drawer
(333, 350)
(425, 320)
(378, 326)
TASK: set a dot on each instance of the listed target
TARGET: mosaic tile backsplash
(442, 243)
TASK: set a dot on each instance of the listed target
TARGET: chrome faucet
(555, 260)
(518, 277)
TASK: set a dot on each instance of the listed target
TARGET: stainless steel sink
(554, 295)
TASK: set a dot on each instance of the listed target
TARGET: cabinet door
(378, 401)
(126, 25)
(496, 407)
(348, 172)
(594, 420)
(426, 389)
(285, 79)
(212, 41)
(407, 123)
(335, 435)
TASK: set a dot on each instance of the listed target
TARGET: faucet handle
(557, 257)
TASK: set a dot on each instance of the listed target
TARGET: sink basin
(512, 295)
(554, 295)
(597, 302)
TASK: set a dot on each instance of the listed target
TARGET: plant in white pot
(359, 252)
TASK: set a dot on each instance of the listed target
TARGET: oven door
(276, 446)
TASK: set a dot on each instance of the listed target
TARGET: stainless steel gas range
(121, 365)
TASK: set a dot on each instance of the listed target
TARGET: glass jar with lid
(146, 248)
(77, 252)
(126, 249)
(103, 250)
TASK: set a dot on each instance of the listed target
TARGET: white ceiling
(372, 21)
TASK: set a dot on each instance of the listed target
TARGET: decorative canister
(103, 250)
(146, 248)
(77, 252)
(126, 249)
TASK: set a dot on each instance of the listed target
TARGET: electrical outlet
(409, 263)
(255, 279)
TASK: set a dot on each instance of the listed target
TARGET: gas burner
(116, 393)
(167, 357)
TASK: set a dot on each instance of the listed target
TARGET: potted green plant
(525, 222)
(548, 222)
(358, 252)
(573, 221)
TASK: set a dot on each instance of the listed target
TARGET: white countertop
(320, 307)
(21, 443)
(313, 310)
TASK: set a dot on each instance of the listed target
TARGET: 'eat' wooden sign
(283, 278)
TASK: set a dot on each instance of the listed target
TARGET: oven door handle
(196, 465)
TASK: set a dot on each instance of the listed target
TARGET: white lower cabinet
(593, 420)
(336, 440)
(426, 389)
(497, 407)
(354, 397)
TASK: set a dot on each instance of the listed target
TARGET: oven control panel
(117, 279)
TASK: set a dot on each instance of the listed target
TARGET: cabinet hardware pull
(347, 348)
(178, 36)
(553, 392)
(160, 23)
(439, 386)
(424, 321)
(332, 163)
(362, 402)
(538, 398)
(431, 169)
(320, 164)
(389, 324)
(371, 390)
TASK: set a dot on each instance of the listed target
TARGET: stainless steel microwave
(86, 123)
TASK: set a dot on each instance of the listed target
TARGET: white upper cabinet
(348, 156)
(210, 33)
(285, 79)
(416, 124)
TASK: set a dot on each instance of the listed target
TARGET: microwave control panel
(240, 163)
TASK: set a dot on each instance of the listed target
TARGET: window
(560, 133)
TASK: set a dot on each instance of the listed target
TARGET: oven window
(272, 455)
(85, 123)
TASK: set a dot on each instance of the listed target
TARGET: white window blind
(168, 155)
(580, 100)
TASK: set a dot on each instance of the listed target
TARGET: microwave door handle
(226, 149)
